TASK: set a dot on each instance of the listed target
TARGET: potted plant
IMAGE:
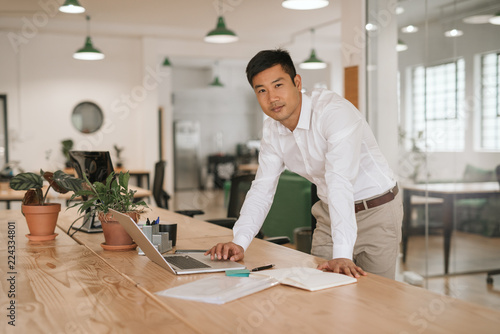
(113, 194)
(40, 215)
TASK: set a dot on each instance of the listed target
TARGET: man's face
(279, 97)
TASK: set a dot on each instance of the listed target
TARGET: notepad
(219, 289)
(306, 278)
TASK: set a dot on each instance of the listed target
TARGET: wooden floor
(469, 253)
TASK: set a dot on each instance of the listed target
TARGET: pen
(269, 266)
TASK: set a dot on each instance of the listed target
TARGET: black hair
(268, 58)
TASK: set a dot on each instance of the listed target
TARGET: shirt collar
(304, 118)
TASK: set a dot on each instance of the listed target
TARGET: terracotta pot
(41, 219)
(114, 233)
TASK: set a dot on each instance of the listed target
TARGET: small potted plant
(41, 216)
(114, 194)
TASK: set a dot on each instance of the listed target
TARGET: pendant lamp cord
(88, 25)
(313, 38)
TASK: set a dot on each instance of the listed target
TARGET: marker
(269, 266)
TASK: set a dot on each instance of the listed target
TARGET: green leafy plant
(33, 183)
(113, 194)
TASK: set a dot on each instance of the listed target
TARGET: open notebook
(306, 278)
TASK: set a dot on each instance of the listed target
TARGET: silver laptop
(187, 263)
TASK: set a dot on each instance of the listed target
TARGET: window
(437, 103)
(490, 102)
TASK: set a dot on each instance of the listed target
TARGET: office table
(448, 192)
(10, 195)
(65, 286)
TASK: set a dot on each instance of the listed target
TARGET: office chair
(303, 235)
(240, 184)
(489, 274)
(160, 196)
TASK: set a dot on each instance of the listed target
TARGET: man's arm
(343, 130)
(257, 201)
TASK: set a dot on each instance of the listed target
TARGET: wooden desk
(114, 292)
(448, 192)
(248, 168)
(10, 195)
(139, 175)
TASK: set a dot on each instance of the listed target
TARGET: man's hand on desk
(342, 266)
(226, 251)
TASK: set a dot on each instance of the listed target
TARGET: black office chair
(240, 184)
(160, 196)
(303, 235)
(489, 274)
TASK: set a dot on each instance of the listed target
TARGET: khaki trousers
(379, 235)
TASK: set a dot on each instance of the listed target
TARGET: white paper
(306, 278)
(219, 289)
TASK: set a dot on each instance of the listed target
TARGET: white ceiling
(252, 20)
(264, 22)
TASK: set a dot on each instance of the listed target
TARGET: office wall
(230, 113)
(477, 39)
(44, 83)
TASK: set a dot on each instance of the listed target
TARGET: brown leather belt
(382, 199)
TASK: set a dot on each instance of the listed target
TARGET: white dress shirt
(334, 148)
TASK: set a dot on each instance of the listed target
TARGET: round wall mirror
(87, 117)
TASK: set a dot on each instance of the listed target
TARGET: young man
(325, 139)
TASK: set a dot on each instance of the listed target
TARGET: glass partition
(449, 131)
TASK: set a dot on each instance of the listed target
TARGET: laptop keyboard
(185, 262)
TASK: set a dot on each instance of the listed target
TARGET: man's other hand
(342, 266)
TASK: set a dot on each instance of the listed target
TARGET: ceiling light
(166, 62)
(453, 33)
(216, 82)
(312, 63)
(495, 19)
(399, 10)
(220, 34)
(477, 19)
(371, 27)
(304, 4)
(401, 46)
(72, 7)
(409, 29)
(88, 52)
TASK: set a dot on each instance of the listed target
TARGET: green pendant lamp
(88, 52)
(166, 62)
(401, 46)
(312, 63)
(71, 7)
(221, 34)
(216, 82)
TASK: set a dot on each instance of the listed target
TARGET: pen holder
(159, 239)
(171, 229)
